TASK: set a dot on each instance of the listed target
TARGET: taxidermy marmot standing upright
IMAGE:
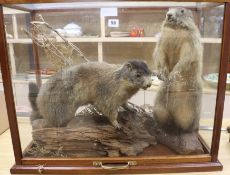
(106, 86)
(178, 61)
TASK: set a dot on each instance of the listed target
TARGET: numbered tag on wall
(113, 23)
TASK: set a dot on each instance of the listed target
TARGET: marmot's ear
(129, 66)
(144, 61)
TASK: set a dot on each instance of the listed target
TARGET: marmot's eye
(138, 75)
(182, 11)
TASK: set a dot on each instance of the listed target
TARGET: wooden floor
(7, 158)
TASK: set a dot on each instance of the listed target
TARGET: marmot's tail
(33, 93)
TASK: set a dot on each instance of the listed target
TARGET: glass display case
(126, 86)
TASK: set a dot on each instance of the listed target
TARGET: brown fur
(178, 60)
(106, 86)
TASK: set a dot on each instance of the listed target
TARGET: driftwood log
(90, 134)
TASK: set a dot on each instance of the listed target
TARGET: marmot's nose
(169, 15)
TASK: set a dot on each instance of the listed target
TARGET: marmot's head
(137, 74)
(179, 18)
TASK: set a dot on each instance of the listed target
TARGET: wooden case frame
(158, 164)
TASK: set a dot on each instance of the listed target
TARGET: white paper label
(108, 11)
(113, 23)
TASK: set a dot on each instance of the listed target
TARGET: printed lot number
(113, 23)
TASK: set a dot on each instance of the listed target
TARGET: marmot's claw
(120, 128)
(162, 78)
(116, 125)
(131, 109)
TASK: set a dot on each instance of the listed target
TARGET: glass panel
(131, 19)
(89, 22)
(211, 27)
(112, 52)
(171, 85)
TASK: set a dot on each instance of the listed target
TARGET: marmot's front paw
(116, 125)
(129, 108)
(162, 75)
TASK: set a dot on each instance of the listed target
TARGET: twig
(65, 40)
(41, 39)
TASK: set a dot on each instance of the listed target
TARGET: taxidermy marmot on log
(178, 61)
(106, 86)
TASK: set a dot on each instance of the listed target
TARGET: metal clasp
(41, 168)
(114, 166)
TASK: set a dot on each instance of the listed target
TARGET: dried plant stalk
(58, 49)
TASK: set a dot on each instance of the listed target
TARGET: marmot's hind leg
(160, 109)
(186, 110)
(59, 114)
